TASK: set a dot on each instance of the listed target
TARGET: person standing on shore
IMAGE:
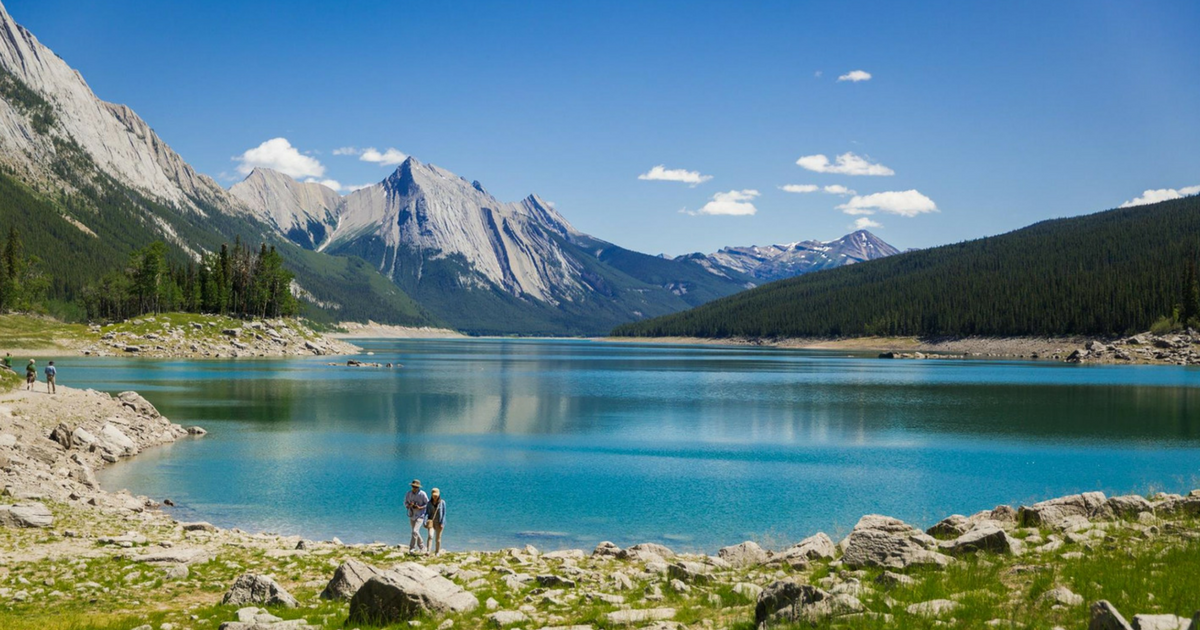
(8, 360)
(435, 520)
(30, 375)
(416, 501)
(51, 372)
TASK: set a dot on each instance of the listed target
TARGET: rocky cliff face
(514, 247)
(776, 262)
(305, 212)
(37, 128)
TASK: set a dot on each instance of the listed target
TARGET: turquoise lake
(563, 443)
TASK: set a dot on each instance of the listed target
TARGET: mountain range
(777, 262)
(87, 182)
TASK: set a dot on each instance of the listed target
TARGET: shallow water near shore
(565, 443)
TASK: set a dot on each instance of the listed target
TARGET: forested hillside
(1102, 274)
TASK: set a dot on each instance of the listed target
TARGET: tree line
(1110, 273)
(22, 281)
(235, 281)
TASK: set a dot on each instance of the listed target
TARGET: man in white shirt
(415, 501)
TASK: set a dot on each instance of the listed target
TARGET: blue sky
(997, 115)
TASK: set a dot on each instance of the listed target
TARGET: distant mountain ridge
(481, 264)
(777, 262)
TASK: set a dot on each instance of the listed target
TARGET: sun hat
(435, 491)
(416, 482)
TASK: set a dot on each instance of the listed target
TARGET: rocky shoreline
(63, 539)
(1182, 348)
(176, 335)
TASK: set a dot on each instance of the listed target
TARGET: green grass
(35, 332)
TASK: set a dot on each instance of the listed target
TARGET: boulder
(606, 549)
(952, 526)
(932, 608)
(743, 555)
(889, 543)
(1128, 506)
(786, 602)
(986, 537)
(134, 401)
(348, 578)
(646, 552)
(1106, 617)
(1063, 596)
(82, 438)
(816, 547)
(550, 580)
(25, 515)
(690, 572)
(1058, 513)
(640, 615)
(406, 592)
(115, 441)
(1160, 622)
(252, 588)
(503, 618)
(63, 435)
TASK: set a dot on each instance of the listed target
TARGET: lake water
(566, 443)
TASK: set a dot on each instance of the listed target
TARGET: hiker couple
(31, 374)
(428, 511)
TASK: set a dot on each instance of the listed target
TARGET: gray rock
(63, 435)
(890, 579)
(406, 592)
(503, 618)
(134, 401)
(1160, 622)
(640, 615)
(747, 590)
(606, 549)
(24, 515)
(819, 546)
(693, 572)
(881, 541)
(1063, 596)
(1106, 617)
(932, 608)
(1057, 513)
(198, 526)
(348, 578)
(196, 431)
(115, 441)
(252, 588)
(952, 526)
(1128, 506)
(555, 581)
(646, 551)
(788, 601)
(744, 554)
(986, 537)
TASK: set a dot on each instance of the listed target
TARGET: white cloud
(863, 223)
(906, 203)
(663, 174)
(732, 203)
(818, 74)
(847, 164)
(854, 76)
(1161, 194)
(346, 151)
(390, 157)
(800, 188)
(279, 154)
(838, 189)
(328, 183)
